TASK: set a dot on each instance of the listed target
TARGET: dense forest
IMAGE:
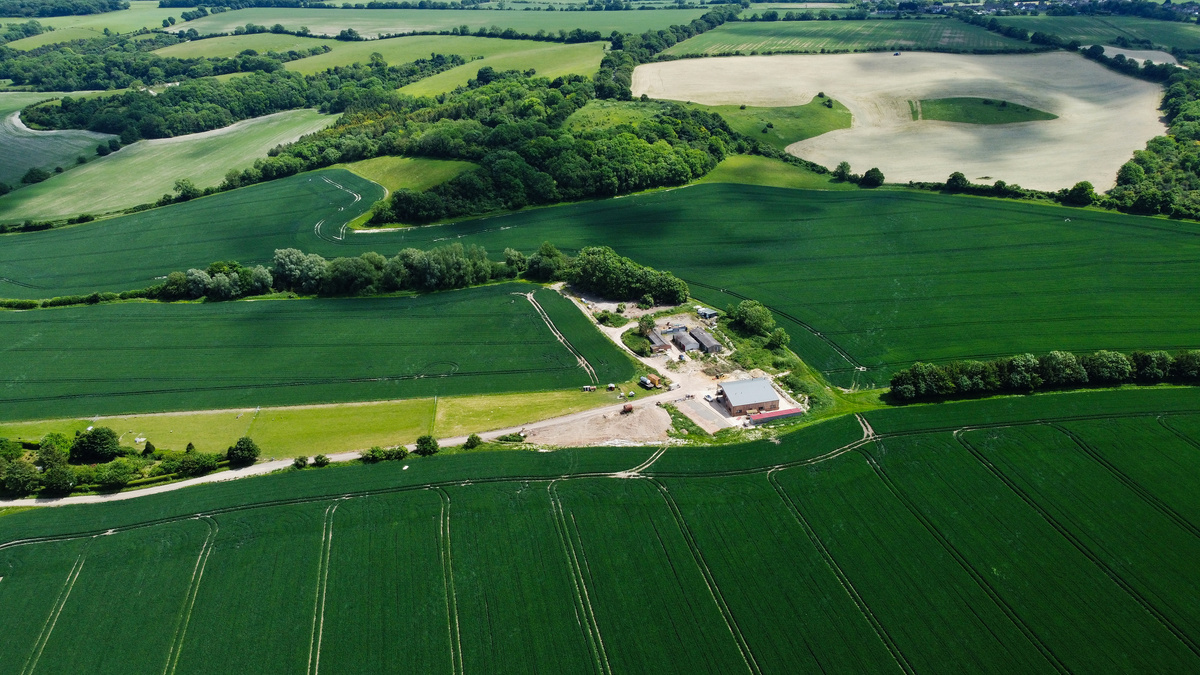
(59, 7)
(208, 103)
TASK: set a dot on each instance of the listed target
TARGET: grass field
(375, 22)
(788, 124)
(979, 111)
(754, 170)
(146, 357)
(549, 59)
(822, 36)
(147, 170)
(312, 430)
(1012, 548)
(867, 270)
(141, 14)
(1104, 30)
(22, 149)
(413, 173)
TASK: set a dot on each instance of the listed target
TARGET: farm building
(685, 342)
(706, 313)
(708, 344)
(671, 330)
(750, 396)
(657, 343)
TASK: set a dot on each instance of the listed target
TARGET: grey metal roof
(704, 338)
(685, 341)
(749, 392)
(656, 339)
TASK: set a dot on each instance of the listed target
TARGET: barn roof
(749, 392)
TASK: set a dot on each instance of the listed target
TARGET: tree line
(1026, 373)
(18, 31)
(59, 7)
(207, 103)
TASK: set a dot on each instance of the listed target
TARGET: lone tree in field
(244, 452)
(872, 178)
(426, 445)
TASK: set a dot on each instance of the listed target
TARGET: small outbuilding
(706, 313)
(685, 342)
(742, 397)
(708, 344)
(657, 343)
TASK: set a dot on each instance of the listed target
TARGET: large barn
(750, 396)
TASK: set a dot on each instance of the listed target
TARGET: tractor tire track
(318, 627)
(456, 655)
(189, 600)
(56, 610)
(589, 624)
(583, 362)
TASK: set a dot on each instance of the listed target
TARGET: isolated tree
(244, 452)
(101, 444)
(320, 461)
(957, 182)
(872, 178)
(426, 445)
(473, 441)
(300, 462)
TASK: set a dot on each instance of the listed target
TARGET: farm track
(962, 560)
(189, 600)
(1079, 545)
(341, 235)
(1135, 487)
(1179, 434)
(714, 590)
(583, 362)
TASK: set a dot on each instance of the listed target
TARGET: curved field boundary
(583, 362)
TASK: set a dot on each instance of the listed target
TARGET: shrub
(872, 178)
(244, 452)
(511, 438)
(300, 463)
(98, 445)
(752, 316)
(473, 441)
(778, 339)
(59, 479)
(21, 478)
(372, 455)
(396, 453)
(115, 474)
(426, 445)
(320, 461)
(10, 450)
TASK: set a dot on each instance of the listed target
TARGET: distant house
(708, 344)
(657, 343)
(706, 313)
(742, 397)
(685, 342)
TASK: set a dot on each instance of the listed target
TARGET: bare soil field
(1102, 116)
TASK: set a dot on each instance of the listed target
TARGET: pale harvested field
(1102, 116)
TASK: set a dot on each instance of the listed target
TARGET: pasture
(147, 170)
(141, 14)
(22, 149)
(755, 170)
(549, 59)
(150, 357)
(1040, 547)
(375, 22)
(979, 111)
(860, 279)
(781, 126)
(1104, 30)
(826, 36)
(413, 173)
(1103, 116)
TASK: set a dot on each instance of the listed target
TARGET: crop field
(376, 22)
(549, 59)
(859, 279)
(1017, 547)
(148, 357)
(1104, 30)
(147, 170)
(22, 149)
(825, 36)
(141, 14)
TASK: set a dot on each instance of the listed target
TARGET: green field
(375, 22)
(1103, 30)
(979, 111)
(413, 173)
(141, 14)
(789, 124)
(885, 277)
(22, 149)
(549, 59)
(146, 357)
(1020, 547)
(871, 35)
(754, 170)
(147, 170)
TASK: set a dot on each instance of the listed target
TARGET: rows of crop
(33, 581)
(610, 362)
(87, 360)
(1104, 30)
(385, 609)
(1083, 621)
(931, 608)
(820, 36)
(633, 550)
(1149, 555)
(790, 606)
(516, 602)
